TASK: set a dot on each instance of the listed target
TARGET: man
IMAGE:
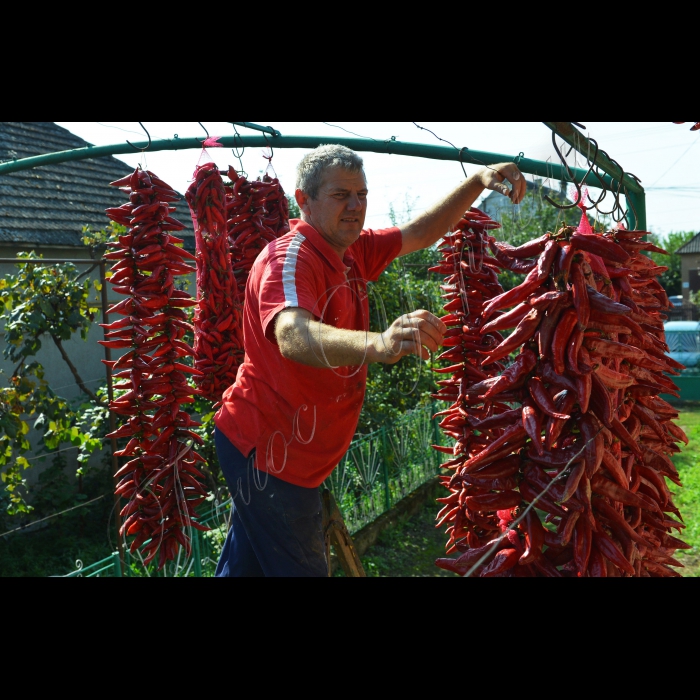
(292, 413)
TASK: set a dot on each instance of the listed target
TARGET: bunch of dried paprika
(257, 213)
(584, 434)
(471, 282)
(218, 339)
(160, 481)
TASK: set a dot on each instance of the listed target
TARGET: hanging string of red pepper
(218, 339)
(161, 480)
(575, 424)
(257, 213)
(471, 282)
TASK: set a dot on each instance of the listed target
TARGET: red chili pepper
(543, 399)
(564, 404)
(504, 560)
(534, 538)
(561, 337)
(598, 245)
(610, 550)
(527, 250)
(604, 487)
(493, 501)
(525, 330)
(521, 367)
(583, 542)
(513, 296)
(579, 290)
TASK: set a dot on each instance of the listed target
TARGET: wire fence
(378, 470)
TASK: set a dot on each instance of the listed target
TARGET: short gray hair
(312, 166)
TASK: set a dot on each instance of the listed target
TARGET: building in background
(495, 204)
(45, 209)
(690, 267)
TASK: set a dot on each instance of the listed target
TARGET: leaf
(22, 462)
(10, 428)
(96, 283)
(47, 308)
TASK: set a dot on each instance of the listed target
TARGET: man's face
(338, 213)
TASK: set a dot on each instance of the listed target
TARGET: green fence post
(117, 564)
(385, 469)
(438, 435)
(196, 555)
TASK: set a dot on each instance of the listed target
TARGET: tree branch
(88, 271)
(71, 366)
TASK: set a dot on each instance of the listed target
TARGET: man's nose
(354, 202)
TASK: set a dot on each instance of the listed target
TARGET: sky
(663, 155)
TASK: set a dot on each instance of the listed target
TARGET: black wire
(348, 132)
(464, 148)
(48, 517)
(451, 144)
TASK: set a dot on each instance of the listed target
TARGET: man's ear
(302, 200)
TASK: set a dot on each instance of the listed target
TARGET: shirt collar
(322, 246)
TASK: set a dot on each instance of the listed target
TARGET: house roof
(49, 205)
(692, 246)
(495, 202)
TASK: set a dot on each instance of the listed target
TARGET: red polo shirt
(302, 419)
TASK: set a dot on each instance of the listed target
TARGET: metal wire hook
(570, 174)
(241, 148)
(592, 163)
(205, 131)
(136, 148)
(630, 204)
(618, 207)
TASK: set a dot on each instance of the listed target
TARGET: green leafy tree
(294, 211)
(42, 302)
(406, 285)
(671, 279)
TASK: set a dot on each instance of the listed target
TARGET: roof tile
(49, 205)
(692, 246)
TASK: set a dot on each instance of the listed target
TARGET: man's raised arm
(431, 225)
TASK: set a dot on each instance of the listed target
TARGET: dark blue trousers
(276, 527)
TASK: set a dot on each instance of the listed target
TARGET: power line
(48, 517)
(676, 162)
(349, 132)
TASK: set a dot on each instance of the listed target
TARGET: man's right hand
(416, 333)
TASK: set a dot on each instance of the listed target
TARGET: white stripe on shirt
(289, 270)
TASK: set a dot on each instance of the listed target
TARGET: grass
(54, 550)
(408, 549)
(688, 498)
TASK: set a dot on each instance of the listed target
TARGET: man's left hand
(493, 177)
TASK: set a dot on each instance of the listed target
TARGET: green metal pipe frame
(634, 193)
(257, 127)
(390, 147)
